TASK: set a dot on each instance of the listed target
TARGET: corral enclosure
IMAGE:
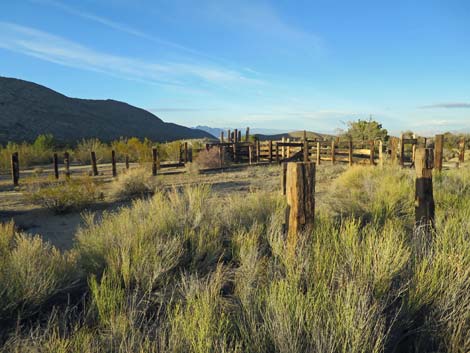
(201, 257)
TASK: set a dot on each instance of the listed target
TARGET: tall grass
(185, 271)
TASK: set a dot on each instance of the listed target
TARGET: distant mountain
(293, 134)
(215, 131)
(28, 110)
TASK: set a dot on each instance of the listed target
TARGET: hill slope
(28, 109)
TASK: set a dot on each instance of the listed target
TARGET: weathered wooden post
(247, 134)
(350, 152)
(239, 139)
(221, 156)
(222, 136)
(258, 150)
(67, 165)
(372, 152)
(113, 163)
(127, 161)
(229, 136)
(462, 150)
(277, 153)
(190, 155)
(318, 153)
(381, 153)
(402, 150)
(154, 160)
(288, 148)
(250, 154)
(283, 177)
(333, 150)
(235, 135)
(94, 167)
(235, 155)
(305, 148)
(15, 168)
(270, 151)
(300, 194)
(55, 162)
(424, 200)
(438, 152)
(283, 148)
(185, 152)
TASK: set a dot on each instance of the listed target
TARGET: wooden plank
(424, 200)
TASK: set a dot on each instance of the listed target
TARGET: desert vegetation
(192, 270)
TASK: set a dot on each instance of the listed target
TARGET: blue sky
(266, 64)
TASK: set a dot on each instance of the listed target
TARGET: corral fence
(250, 150)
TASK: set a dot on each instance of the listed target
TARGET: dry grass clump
(62, 197)
(31, 272)
(134, 183)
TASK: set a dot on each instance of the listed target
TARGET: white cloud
(61, 51)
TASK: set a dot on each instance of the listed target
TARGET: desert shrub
(31, 272)
(61, 197)
(207, 159)
(81, 153)
(134, 183)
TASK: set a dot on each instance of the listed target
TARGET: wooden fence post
(424, 201)
(372, 151)
(247, 134)
(239, 136)
(190, 155)
(305, 150)
(333, 149)
(462, 150)
(113, 163)
(55, 162)
(318, 153)
(270, 153)
(94, 167)
(283, 148)
(258, 150)
(185, 152)
(300, 194)
(154, 160)
(67, 165)
(438, 152)
(350, 152)
(235, 155)
(222, 136)
(277, 152)
(250, 154)
(283, 177)
(15, 168)
(229, 136)
(127, 161)
(221, 156)
(288, 148)
(235, 135)
(381, 154)
(402, 151)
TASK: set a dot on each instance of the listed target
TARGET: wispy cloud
(55, 49)
(451, 105)
(121, 27)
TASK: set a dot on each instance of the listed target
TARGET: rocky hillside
(28, 110)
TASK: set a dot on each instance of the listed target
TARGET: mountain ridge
(28, 109)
